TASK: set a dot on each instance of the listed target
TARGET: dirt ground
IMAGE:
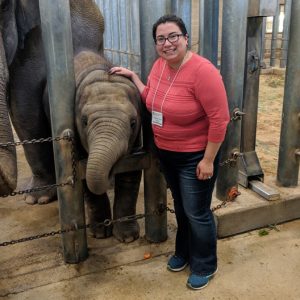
(261, 264)
(271, 94)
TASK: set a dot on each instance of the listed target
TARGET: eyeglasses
(172, 38)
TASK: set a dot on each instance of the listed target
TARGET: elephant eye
(133, 124)
(84, 121)
(4, 5)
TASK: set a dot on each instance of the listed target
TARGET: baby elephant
(108, 122)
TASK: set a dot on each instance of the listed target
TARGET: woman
(186, 97)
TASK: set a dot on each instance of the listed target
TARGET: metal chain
(34, 141)
(74, 161)
(45, 140)
(223, 204)
(231, 160)
(38, 189)
(108, 222)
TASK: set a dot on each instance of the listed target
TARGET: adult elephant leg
(98, 210)
(126, 194)
(38, 155)
(30, 121)
(43, 173)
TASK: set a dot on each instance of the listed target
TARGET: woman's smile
(174, 52)
(170, 51)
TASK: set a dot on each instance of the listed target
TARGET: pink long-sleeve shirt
(195, 109)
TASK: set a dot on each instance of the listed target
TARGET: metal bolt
(237, 114)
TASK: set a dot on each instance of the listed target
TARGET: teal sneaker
(198, 282)
(176, 263)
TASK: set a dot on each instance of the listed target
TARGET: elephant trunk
(103, 154)
(8, 161)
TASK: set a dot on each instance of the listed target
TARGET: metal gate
(122, 32)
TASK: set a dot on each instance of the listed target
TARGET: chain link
(44, 140)
(231, 160)
(74, 163)
(223, 204)
(108, 222)
(35, 141)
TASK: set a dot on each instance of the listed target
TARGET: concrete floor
(250, 266)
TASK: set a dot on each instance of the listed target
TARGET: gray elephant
(108, 122)
(107, 111)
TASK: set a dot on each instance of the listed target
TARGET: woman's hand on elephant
(121, 71)
(129, 74)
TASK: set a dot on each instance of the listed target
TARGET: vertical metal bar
(57, 39)
(122, 32)
(288, 161)
(148, 16)
(232, 69)
(274, 36)
(208, 29)
(154, 184)
(183, 9)
(286, 32)
(263, 41)
(134, 37)
(126, 23)
(251, 88)
(115, 25)
(105, 7)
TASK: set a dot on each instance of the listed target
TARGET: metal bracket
(264, 190)
(237, 114)
(251, 176)
(249, 168)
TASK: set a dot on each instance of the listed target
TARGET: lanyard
(157, 116)
(162, 103)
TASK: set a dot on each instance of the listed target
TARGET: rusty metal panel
(262, 8)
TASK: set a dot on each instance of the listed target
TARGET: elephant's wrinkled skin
(107, 113)
(8, 175)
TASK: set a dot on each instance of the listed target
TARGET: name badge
(157, 118)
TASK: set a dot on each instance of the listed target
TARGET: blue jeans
(196, 238)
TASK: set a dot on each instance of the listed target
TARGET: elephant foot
(98, 210)
(45, 199)
(126, 232)
(41, 197)
(100, 232)
(29, 199)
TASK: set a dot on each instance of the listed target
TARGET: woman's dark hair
(171, 19)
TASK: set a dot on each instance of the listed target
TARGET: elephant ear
(27, 18)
